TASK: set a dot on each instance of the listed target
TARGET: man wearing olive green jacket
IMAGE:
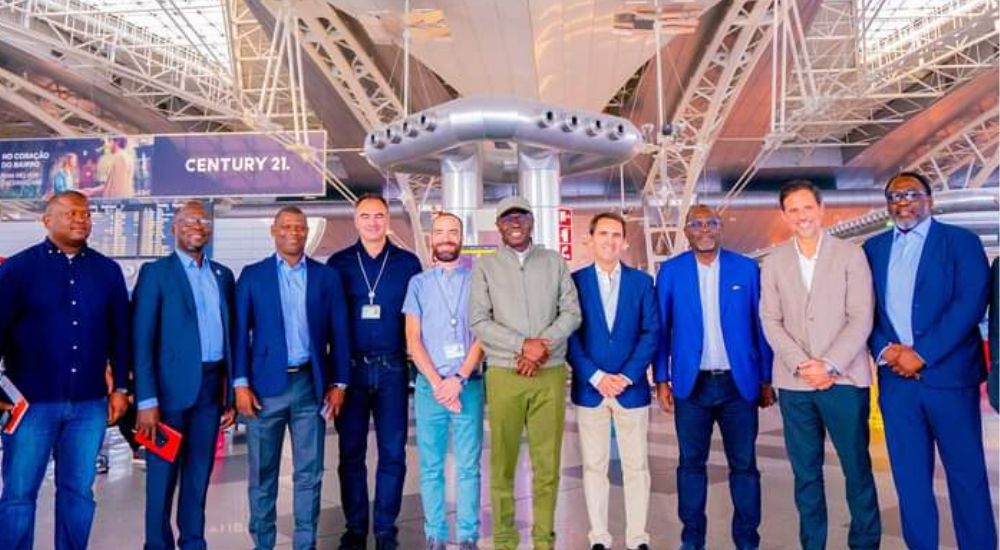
(523, 308)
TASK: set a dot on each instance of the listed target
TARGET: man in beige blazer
(817, 311)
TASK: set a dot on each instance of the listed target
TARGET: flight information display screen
(132, 230)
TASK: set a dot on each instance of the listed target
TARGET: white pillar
(538, 181)
(462, 190)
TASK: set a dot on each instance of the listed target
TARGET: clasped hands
(903, 360)
(815, 373)
(534, 353)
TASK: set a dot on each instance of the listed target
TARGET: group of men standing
(294, 344)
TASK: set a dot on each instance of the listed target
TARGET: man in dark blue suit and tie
(610, 354)
(180, 371)
(931, 288)
(713, 366)
(291, 371)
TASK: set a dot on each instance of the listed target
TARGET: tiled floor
(120, 496)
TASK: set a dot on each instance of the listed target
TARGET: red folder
(12, 418)
(167, 444)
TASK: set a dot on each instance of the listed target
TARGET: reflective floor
(120, 495)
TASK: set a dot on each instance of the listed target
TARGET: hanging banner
(163, 166)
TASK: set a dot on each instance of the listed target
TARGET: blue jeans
(433, 421)
(297, 409)
(199, 425)
(715, 399)
(379, 388)
(72, 432)
(807, 416)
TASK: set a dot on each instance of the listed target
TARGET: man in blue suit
(713, 366)
(610, 354)
(180, 371)
(291, 371)
(931, 287)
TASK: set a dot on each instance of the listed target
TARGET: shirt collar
(614, 272)
(53, 249)
(188, 262)
(460, 269)
(819, 246)
(920, 230)
(364, 253)
(285, 265)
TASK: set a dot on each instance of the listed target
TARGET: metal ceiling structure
(747, 89)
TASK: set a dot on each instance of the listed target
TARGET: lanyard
(371, 289)
(452, 311)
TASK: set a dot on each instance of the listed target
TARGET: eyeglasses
(188, 223)
(698, 225)
(908, 195)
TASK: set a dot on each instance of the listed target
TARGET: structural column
(538, 181)
(462, 190)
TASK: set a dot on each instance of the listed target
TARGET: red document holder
(167, 444)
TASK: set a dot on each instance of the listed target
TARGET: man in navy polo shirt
(375, 274)
(63, 318)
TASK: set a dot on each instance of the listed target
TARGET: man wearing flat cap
(523, 308)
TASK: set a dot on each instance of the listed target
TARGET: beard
(447, 252)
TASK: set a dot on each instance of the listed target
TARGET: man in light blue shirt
(932, 281)
(450, 387)
(180, 367)
(290, 373)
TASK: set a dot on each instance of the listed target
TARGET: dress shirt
(907, 247)
(435, 296)
(61, 321)
(387, 334)
(713, 356)
(807, 266)
(292, 280)
(207, 304)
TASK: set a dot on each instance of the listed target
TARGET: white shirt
(807, 266)
(713, 355)
(521, 256)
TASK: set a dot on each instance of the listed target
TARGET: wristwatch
(464, 380)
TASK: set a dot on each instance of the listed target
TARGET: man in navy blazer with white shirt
(931, 287)
(713, 366)
(610, 354)
(180, 371)
(292, 365)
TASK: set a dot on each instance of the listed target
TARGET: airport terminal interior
(639, 107)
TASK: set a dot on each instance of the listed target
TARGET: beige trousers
(631, 427)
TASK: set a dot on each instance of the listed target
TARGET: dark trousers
(716, 400)
(807, 416)
(199, 425)
(379, 389)
(916, 419)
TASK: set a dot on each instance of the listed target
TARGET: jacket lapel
(726, 284)
(624, 280)
(271, 281)
(930, 252)
(312, 297)
(180, 275)
(691, 272)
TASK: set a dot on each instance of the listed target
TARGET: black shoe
(598, 547)
(386, 543)
(641, 547)
(353, 541)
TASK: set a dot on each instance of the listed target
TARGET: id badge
(371, 311)
(454, 351)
